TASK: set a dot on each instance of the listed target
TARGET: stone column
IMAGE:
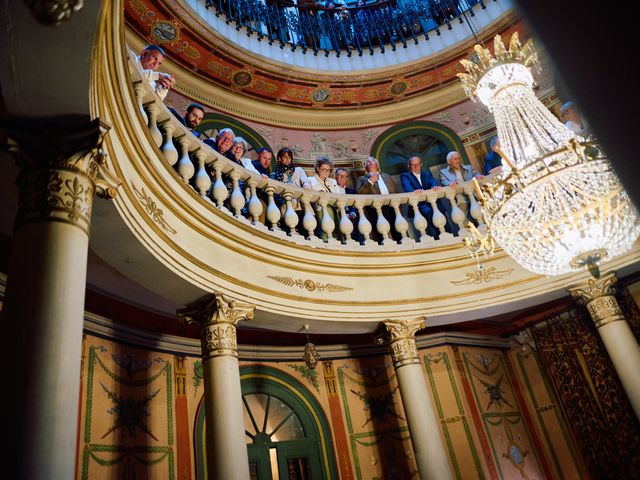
(217, 316)
(428, 448)
(623, 349)
(60, 169)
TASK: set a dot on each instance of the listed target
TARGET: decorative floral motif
(198, 374)
(495, 393)
(310, 375)
(379, 407)
(130, 413)
(309, 285)
(157, 214)
(481, 275)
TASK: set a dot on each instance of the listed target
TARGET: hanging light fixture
(557, 206)
(311, 355)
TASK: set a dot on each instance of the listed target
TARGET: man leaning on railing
(149, 61)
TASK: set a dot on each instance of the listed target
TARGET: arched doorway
(287, 435)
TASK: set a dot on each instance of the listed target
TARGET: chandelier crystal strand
(557, 205)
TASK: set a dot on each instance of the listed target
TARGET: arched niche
(431, 141)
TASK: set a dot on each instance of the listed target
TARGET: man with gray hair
(375, 182)
(223, 143)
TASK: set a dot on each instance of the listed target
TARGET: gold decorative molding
(53, 13)
(179, 363)
(157, 214)
(309, 285)
(217, 316)
(599, 297)
(401, 336)
(485, 275)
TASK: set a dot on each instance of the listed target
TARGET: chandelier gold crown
(483, 60)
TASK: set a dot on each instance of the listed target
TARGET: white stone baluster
(438, 220)
(382, 224)
(273, 212)
(237, 199)
(201, 179)
(185, 166)
(220, 191)
(168, 149)
(255, 205)
(346, 225)
(475, 210)
(152, 125)
(457, 215)
(419, 222)
(327, 224)
(309, 222)
(401, 225)
(138, 90)
(290, 215)
(364, 225)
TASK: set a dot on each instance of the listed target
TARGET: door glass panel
(273, 457)
(298, 468)
(257, 404)
(253, 471)
(290, 430)
(278, 412)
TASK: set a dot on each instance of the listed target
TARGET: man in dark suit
(417, 180)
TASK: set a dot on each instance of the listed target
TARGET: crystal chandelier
(557, 205)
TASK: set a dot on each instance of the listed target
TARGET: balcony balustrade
(273, 206)
(311, 27)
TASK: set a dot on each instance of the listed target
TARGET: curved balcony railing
(310, 27)
(269, 205)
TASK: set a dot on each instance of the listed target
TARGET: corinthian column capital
(400, 334)
(217, 316)
(62, 165)
(599, 297)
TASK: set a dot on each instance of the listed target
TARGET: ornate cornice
(202, 52)
(401, 336)
(599, 297)
(217, 316)
(62, 167)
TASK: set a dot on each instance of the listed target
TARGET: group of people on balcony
(374, 181)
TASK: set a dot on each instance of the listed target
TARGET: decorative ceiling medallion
(398, 87)
(309, 285)
(164, 31)
(242, 78)
(321, 95)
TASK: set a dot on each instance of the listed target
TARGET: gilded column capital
(62, 165)
(401, 336)
(598, 295)
(217, 316)
(52, 12)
